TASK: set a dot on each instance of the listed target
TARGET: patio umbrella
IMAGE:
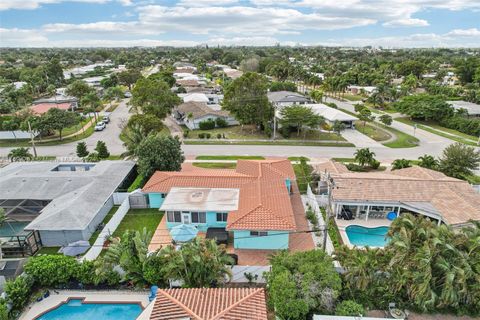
(391, 215)
(183, 233)
(75, 248)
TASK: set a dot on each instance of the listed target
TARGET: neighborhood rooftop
(76, 195)
(453, 201)
(210, 304)
(286, 96)
(472, 108)
(264, 202)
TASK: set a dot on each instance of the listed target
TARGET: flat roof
(201, 199)
(331, 114)
(472, 108)
(76, 195)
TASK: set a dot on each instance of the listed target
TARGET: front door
(186, 218)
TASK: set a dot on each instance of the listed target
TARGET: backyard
(137, 219)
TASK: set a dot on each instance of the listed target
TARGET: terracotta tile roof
(455, 200)
(42, 108)
(210, 304)
(199, 109)
(264, 204)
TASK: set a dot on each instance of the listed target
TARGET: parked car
(100, 126)
(128, 94)
(106, 119)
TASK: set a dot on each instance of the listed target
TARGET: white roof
(196, 97)
(76, 196)
(331, 114)
(201, 199)
(472, 108)
(366, 88)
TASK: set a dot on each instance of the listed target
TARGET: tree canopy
(159, 152)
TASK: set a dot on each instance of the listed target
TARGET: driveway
(360, 140)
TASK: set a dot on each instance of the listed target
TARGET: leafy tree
(316, 95)
(338, 127)
(79, 89)
(82, 150)
(349, 308)
(302, 282)
(386, 119)
(428, 161)
(365, 115)
(424, 107)
(466, 69)
(198, 263)
(101, 149)
(401, 164)
(165, 76)
(364, 157)
(129, 77)
(110, 81)
(301, 118)
(90, 102)
(11, 125)
(18, 291)
(158, 152)
(49, 270)
(148, 122)
(283, 86)
(114, 93)
(459, 161)
(20, 154)
(359, 107)
(153, 96)
(59, 119)
(246, 98)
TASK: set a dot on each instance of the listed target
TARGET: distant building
(193, 112)
(368, 90)
(473, 109)
(286, 98)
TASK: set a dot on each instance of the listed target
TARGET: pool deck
(37, 308)
(370, 223)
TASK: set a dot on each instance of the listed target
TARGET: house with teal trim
(252, 203)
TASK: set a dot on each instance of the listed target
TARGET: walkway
(360, 140)
(174, 127)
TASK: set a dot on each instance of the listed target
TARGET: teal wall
(211, 222)
(274, 240)
(155, 200)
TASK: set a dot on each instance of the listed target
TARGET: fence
(256, 272)
(108, 230)
(311, 200)
(119, 197)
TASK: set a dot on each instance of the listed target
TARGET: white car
(100, 126)
(128, 94)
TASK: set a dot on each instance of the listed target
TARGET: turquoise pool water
(362, 236)
(76, 310)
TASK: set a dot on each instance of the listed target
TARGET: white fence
(108, 230)
(239, 272)
(311, 200)
(119, 197)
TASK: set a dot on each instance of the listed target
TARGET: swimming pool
(363, 236)
(75, 309)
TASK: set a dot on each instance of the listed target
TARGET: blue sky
(388, 23)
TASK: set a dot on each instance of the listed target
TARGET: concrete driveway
(360, 140)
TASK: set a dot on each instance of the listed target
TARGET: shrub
(312, 217)
(207, 135)
(85, 273)
(207, 124)
(3, 310)
(201, 135)
(375, 164)
(221, 123)
(92, 157)
(137, 183)
(48, 270)
(400, 164)
(355, 167)
(349, 308)
(18, 291)
(102, 150)
(219, 136)
(186, 133)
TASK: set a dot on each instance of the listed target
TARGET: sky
(125, 23)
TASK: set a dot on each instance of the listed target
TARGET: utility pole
(32, 139)
(330, 186)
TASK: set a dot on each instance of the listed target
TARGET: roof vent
(196, 196)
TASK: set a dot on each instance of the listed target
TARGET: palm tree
(428, 161)
(132, 138)
(20, 154)
(90, 103)
(364, 156)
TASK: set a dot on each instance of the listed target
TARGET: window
(174, 216)
(258, 233)
(221, 217)
(198, 217)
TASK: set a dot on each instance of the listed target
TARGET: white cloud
(34, 4)
(21, 37)
(410, 22)
(473, 32)
(205, 3)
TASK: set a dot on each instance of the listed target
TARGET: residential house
(472, 109)
(281, 99)
(206, 97)
(56, 101)
(257, 204)
(53, 204)
(368, 90)
(207, 304)
(192, 113)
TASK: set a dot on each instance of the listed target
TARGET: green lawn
(277, 142)
(403, 140)
(137, 219)
(115, 157)
(353, 97)
(473, 179)
(26, 142)
(372, 131)
(206, 157)
(70, 130)
(137, 183)
(107, 218)
(441, 131)
(298, 158)
(343, 160)
(215, 165)
(48, 250)
(302, 178)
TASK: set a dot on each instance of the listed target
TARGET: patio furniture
(153, 293)
(219, 234)
(183, 233)
(394, 312)
(75, 248)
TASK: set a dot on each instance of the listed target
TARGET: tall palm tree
(364, 156)
(132, 138)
